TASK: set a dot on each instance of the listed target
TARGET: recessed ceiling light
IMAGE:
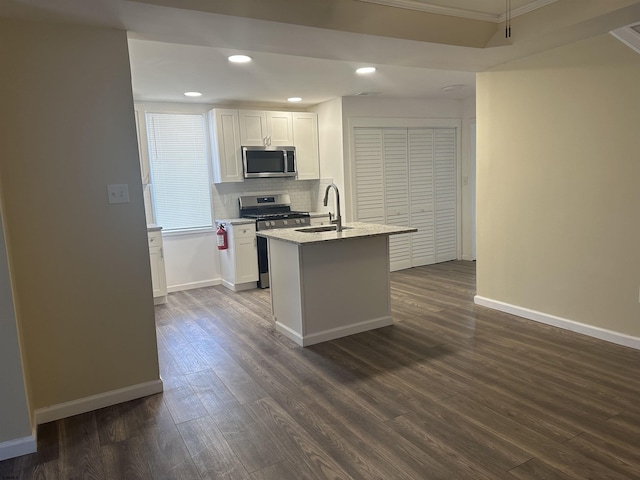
(239, 58)
(294, 99)
(365, 70)
(192, 94)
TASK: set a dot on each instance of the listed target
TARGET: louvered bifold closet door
(396, 184)
(445, 193)
(421, 199)
(369, 173)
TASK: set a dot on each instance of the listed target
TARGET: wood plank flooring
(451, 391)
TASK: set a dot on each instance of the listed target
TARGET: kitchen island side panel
(286, 288)
(345, 284)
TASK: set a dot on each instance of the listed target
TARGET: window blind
(179, 171)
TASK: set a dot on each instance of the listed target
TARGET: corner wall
(79, 265)
(15, 434)
(557, 188)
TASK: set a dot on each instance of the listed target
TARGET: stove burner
(276, 213)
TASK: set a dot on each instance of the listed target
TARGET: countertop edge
(357, 230)
(235, 221)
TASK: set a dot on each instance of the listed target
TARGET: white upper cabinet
(269, 129)
(253, 128)
(233, 129)
(305, 139)
(225, 145)
(280, 128)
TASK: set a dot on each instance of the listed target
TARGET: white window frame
(178, 111)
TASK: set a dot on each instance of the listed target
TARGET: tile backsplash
(306, 195)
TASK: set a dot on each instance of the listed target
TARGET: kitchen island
(327, 284)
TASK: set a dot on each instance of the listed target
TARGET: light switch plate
(118, 193)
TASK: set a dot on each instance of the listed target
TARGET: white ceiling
(164, 71)
(290, 60)
(174, 50)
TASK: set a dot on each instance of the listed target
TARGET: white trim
(628, 36)
(333, 333)
(94, 402)
(564, 323)
(239, 287)
(191, 285)
(403, 122)
(161, 300)
(459, 12)
(17, 447)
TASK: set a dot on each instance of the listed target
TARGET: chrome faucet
(338, 220)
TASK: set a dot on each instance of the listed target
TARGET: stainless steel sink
(323, 228)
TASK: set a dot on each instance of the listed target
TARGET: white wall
(192, 259)
(468, 178)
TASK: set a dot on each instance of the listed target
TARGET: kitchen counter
(236, 221)
(350, 231)
(328, 285)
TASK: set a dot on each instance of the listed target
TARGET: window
(179, 171)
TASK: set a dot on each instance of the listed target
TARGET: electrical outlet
(118, 193)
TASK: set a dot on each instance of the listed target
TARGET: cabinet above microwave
(226, 142)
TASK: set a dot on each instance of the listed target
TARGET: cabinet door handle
(162, 253)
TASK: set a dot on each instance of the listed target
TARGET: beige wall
(557, 184)
(79, 265)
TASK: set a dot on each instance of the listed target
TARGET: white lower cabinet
(158, 276)
(316, 220)
(239, 262)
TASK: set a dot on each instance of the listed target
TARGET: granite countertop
(351, 231)
(236, 221)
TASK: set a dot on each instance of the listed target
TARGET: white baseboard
(191, 285)
(94, 402)
(239, 287)
(17, 447)
(590, 330)
(333, 333)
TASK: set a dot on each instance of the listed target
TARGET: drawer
(321, 220)
(244, 231)
(155, 239)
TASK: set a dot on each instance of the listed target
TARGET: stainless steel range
(270, 211)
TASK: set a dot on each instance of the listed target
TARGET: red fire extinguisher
(221, 237)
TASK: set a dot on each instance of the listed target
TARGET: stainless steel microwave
(268, 162)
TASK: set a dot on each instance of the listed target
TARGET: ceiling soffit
(476, 12)
(352, 16)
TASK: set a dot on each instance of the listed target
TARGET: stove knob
(285, 222)
(272, 223)
(297, 220)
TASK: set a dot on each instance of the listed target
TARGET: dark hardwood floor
(451, 391)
